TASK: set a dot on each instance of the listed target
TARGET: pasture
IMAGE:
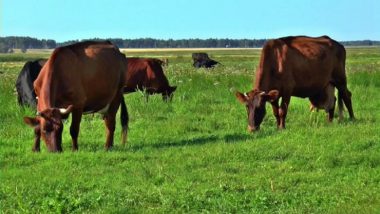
(194, 154)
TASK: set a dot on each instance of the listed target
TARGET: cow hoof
(36, 150)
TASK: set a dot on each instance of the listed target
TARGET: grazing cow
(24, 83)
(298, 66)
(147, 74)
(201, 60)
(85, 77)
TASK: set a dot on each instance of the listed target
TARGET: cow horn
(245, 94)
(65, 110)
(262, 93)
(38, 113)
(62, 110)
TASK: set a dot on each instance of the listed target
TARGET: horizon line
(110, 38)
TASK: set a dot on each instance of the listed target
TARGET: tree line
(183, 43)
(7, 44)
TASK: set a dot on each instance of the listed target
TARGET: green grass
(194, 154)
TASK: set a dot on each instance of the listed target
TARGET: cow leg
(330, 115)
(348, 103)
(166, 97)
(110, 120)
(275, 108)
(146, 96)
(283, 110)
(37, 137)
(344, 95)
(74, 128)
(331, 111)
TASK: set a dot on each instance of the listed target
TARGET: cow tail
(124, 118)
(340, 104)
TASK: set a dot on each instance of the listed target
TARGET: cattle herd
(89, 77)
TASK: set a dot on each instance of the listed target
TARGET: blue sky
(80, 19)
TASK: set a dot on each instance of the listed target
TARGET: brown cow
(81, 78)
(298, 66)
(147, 74)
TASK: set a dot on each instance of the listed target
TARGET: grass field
(194, 154)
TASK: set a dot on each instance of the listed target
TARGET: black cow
(201, 60)
(24, 82)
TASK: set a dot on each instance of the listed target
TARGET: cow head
(168, 94)
(255, 103)
(48, 124)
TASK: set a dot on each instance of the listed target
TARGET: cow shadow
(164, 144)
(197, 141)
(174, 143)
(99, 146)
(236, 138)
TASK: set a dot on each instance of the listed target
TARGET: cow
(147, 74)
(81, 78)
(24, 83)
(201, 60)
(298, 66)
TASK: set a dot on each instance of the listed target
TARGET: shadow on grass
(180, 143)
(174, 143)
(99, 146)
(198, 141)
(236, 138)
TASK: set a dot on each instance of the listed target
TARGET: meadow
(194, 154)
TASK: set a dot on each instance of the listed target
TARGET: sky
(64, 20)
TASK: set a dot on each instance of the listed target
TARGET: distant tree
(50, 44)
(4, 46)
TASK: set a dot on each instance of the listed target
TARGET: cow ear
(241, 97)
(271, 95)
(31, 121)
